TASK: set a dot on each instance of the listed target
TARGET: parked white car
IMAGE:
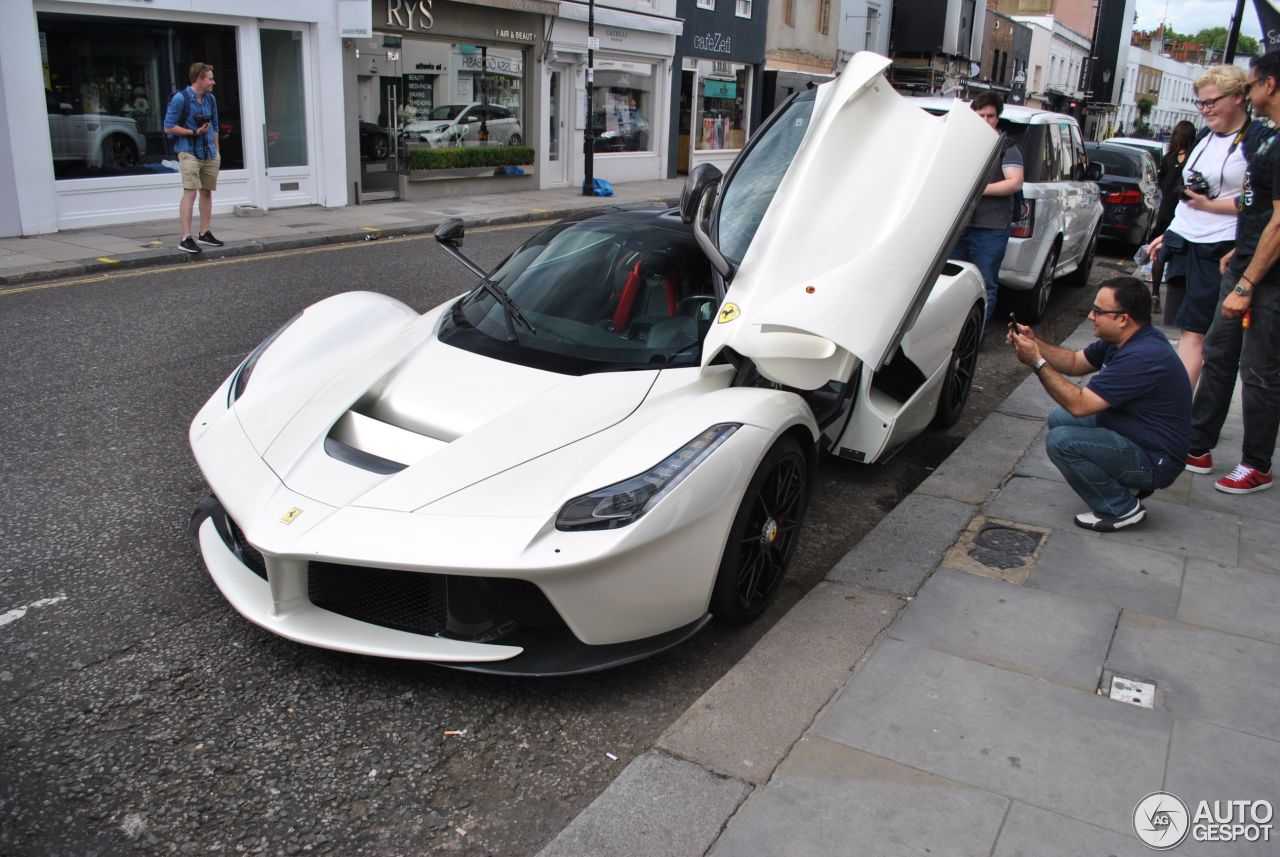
(466, 125)
(612, 437)
(96, 139)
(1155, 147)
(1056, 235)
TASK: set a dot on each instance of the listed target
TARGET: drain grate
(1133, 692)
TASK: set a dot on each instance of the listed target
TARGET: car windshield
(446, 112)
(598, 295)
(753, 183)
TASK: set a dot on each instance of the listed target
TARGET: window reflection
(108, 82)
(622, 106)
(462, 95)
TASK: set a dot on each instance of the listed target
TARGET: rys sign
(410, 15)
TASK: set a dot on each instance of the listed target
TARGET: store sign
(720, 88)
(511, 66)
(514, 35)
(713, 43)
(410, 15)
(355, 19)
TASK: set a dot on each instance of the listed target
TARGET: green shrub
(480, 156)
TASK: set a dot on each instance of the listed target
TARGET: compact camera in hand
(1196, 182)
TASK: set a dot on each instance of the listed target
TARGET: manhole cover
(1004, 547)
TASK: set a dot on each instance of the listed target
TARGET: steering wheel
(700, 307)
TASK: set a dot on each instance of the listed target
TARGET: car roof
(1019, 114)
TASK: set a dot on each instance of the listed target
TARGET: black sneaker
(1099, 524)
(188, 245)
(207, 238)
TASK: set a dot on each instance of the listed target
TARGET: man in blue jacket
(1125, 433)
(192, 119)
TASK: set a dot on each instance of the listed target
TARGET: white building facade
(1167, 83)
(1057, 58)
(86, 85)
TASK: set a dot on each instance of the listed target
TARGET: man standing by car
(1244, 336)
(192, 118)
(984, 242)
(1124, 434)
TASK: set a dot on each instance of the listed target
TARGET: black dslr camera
(1196, 182)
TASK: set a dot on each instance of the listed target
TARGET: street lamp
(588, 136)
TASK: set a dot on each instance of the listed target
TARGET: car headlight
(240, 381)
(625, 502)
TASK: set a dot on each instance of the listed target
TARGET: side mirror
(700, 178)
(1095, 171)
(449, 235)
(451, 232)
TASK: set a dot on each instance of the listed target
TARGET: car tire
(1079, 278)
(960, 371)
(119, 152)
(763, 536)
(378, 149)
(1030, 306)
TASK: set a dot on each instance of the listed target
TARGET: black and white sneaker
(188, 245)
(207, 238)
(1099, 524)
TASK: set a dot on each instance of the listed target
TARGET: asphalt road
(139, 712)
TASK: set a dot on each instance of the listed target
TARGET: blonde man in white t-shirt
(1204, 223)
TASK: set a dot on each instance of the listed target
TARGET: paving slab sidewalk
(77, 252)
(919, 703)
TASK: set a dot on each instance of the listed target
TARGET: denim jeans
(1103, 467)
(1255, 355)
(985, 249)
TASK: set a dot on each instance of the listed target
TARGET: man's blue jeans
(985, 249)
(1103, 467)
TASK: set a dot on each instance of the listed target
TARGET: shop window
(719, 114)
(462, 95)
(108, 82)
(622, 106)
(743, 9)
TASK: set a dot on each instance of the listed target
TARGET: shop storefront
(91, 83)
(630, 93)
(721, 56)
(445, 98)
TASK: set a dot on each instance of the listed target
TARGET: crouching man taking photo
(1124, 434)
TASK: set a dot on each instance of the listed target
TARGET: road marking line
(18, 612)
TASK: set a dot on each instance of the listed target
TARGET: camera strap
(1222, 168)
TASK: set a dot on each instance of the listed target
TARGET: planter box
(464, 173)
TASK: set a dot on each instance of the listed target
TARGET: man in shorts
(192, 119)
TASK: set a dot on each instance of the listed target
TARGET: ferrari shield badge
(728, 313)
(290, 516)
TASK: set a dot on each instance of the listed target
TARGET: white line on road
(18, 612)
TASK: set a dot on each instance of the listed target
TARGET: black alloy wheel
(1030, 305)
(764, 535)
(378, 148)
(960, 371)
(121, 152)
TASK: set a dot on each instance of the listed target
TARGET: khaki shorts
(197, 174)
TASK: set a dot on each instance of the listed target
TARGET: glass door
(556, 149)
(287, 143)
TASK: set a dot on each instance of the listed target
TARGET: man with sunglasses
(1124, 434)
(1244, 337)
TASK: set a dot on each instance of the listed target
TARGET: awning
(617, 18)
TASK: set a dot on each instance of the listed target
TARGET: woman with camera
(1204, 222)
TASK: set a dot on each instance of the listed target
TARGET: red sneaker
(1244, 480)
(1200, 463)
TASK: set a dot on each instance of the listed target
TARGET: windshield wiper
(511, 312)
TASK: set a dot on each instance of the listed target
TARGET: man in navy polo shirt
(1124, 434)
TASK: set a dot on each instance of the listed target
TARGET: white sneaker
(1099, 524)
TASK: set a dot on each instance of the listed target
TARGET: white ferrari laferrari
(610, 439)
